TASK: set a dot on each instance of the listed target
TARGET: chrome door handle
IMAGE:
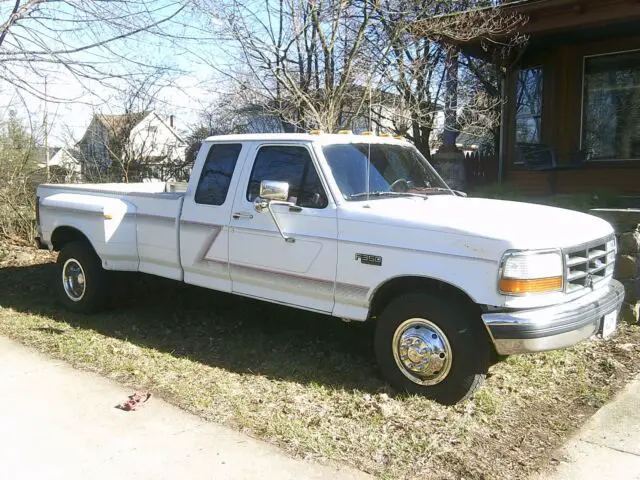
(239, 215)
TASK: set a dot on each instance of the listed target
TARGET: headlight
(523, 272)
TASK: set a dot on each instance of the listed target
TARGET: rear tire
(81, 282)
(432, 346)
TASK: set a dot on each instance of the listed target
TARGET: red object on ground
(135, 401)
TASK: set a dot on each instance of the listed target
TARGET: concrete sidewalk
(607, 447)
(60, 423)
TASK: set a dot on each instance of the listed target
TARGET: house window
(529, 105)
(611, 106)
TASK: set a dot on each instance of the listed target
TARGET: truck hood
(514, 225)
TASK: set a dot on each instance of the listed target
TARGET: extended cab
(358, 227)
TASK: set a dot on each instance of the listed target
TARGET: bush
(17, 211)
(18, 175)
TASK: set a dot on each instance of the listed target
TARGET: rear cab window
(217, 171)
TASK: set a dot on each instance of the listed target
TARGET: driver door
(263, 264)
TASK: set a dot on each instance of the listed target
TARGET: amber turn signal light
(537, 285)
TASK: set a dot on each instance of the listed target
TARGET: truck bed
(133, 226)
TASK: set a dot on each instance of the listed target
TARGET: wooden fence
(480, 169)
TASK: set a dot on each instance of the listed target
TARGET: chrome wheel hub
(422, 351)
(73, 280)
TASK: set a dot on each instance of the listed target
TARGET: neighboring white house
(143, 144)
(67, 160)
(64, 164)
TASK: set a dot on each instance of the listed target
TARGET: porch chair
(539, 157)
(542, 157)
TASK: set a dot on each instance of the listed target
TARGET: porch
(572, 99)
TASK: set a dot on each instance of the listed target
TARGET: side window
(217, 172)
(289, 164)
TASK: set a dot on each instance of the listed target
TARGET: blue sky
(191, 82)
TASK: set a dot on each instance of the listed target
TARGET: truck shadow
(222, 330)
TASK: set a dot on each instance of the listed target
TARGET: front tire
(432, 346)
(81, 282)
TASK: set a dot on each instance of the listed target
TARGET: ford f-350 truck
(362, 228)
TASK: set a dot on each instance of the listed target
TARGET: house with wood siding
(571, 118)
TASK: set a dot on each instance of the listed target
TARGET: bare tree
(421, 63)
(333, 64)
(300, 60)
(480, 91)
(81, 38)
(412, 69)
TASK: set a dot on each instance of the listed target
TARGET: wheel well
(63, 235)
(401, 285)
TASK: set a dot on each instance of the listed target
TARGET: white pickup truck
(358, 227)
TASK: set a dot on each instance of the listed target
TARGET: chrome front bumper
(551, 328)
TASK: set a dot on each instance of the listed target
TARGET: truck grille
(589, 264)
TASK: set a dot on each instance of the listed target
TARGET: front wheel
(81, 282)
(429, 346)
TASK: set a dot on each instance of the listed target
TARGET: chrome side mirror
(273, 193)
(271, 190)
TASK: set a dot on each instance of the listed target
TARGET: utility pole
(46, 129)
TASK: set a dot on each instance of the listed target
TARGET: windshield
(393, 170)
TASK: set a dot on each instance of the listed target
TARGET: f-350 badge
(368, 259)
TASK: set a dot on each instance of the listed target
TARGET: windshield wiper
(438, 189)
(391, 194)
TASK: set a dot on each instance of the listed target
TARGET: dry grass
(309, 383)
